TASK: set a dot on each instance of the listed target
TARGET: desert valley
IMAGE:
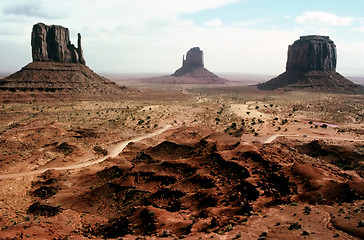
(191, 155)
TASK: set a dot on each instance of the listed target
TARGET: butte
(311, 64)
(191, 72)
(58, 68)
(193, 67)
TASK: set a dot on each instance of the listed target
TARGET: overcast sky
(150, 36)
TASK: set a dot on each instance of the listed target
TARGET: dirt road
(273, 137)
(118, 148)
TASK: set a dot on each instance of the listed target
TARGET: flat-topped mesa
(312, 52)
(311, 64)
(52, 43)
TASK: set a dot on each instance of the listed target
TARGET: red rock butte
(58, 66)
(311, 64)
(193, 68)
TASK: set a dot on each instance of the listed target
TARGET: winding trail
(118, 148)
(273, 137)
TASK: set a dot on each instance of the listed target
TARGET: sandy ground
(84, 167)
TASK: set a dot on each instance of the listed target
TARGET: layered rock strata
(311, 63)
(50, 76)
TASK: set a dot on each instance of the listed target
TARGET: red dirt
(199, 187)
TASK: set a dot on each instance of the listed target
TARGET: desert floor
(183, 161)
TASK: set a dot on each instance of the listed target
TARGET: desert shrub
(100, 150)
(64, 148)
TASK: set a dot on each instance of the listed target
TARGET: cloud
(326, 19)
(214, 23)
(359, 29)
(250, 24)
(151, 36)
(38, 9)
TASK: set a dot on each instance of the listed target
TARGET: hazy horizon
(237, 36)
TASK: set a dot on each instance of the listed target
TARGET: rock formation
(312, 53)
(193, 70)
(52, 43)
(58, 66)
(50, 76)
(311, 63)
(194, 60)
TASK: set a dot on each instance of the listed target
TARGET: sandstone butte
(193, 68)
(311, 64)
(58, 66)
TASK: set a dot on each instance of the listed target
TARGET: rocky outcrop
(194, 60)
(52, 43)
(193, 70)
(58, 66)
(311, 63)
(312, 53)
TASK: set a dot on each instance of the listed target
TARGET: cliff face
(312, 53)
(311, 64)
(52, 43)
(194, 58)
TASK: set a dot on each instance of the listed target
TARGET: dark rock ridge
(193, 70)
(311, 63)
(58, 66)
(52, 43)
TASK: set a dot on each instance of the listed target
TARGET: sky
(151, 36)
